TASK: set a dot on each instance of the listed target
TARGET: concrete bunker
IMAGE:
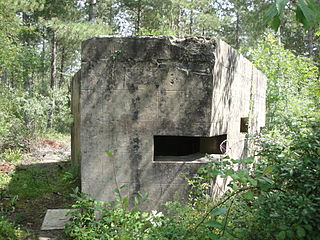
(159, 104)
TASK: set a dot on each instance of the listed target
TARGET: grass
(38, 180)
(28, 190)
(55, 136)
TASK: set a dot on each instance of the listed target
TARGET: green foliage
(11, 155)
(73, 33)
(170, 17)
(23, 116)
(26, 191)
(9, 231)
(116, 223)
(32, 102)
(194, 18)
(4, 180)
(291, 80)
(296, 164)
(97, 220)
(30, 183)
(278, 198)
(62, 118)
(307, 12)
(13, 131)
(36, 182)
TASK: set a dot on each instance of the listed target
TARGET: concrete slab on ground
(55, 219)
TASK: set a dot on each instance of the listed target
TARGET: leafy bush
(113, 223)
(97, 220)
(276, 198)
(9, 231)
(13, 132)
(273, 198)
(279, 197)
(24, 116)
(11, 155)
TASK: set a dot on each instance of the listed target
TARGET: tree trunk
(179, 21)
(27, 81)
(111, 17)
(53, 77)
(61, 82)
(175, 19)
(43, 67)
(237, 36)
(191, 19)
(311, 42)
(138, 18)
(4, 77)
(93, 11)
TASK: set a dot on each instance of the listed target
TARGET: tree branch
(221, 203)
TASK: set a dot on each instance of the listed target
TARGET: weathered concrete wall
(75, 130)
(135, 88)
(238, 92)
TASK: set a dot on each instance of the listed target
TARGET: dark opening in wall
(244, 124)
(175, 146)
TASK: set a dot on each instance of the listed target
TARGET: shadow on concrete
(110, 78)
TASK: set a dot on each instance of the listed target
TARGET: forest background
(40, 43)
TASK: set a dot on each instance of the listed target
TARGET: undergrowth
(274, 198)
(9, 231)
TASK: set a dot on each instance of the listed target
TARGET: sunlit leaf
(280, 5)
(268, 170)
(248, 195)
(219, 211)
(249, 160)
(270, 14)
(309, 18)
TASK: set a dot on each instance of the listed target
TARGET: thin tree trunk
(93, 11)
(27, 81)
(4, 78)
(237, 46)
(191, 19)
(43, 54)
(110, 17)
(53, 77)
(175, 20)
(179, 21)
(138, 18)
(311, 42)
(61, 82)
(43, 70)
